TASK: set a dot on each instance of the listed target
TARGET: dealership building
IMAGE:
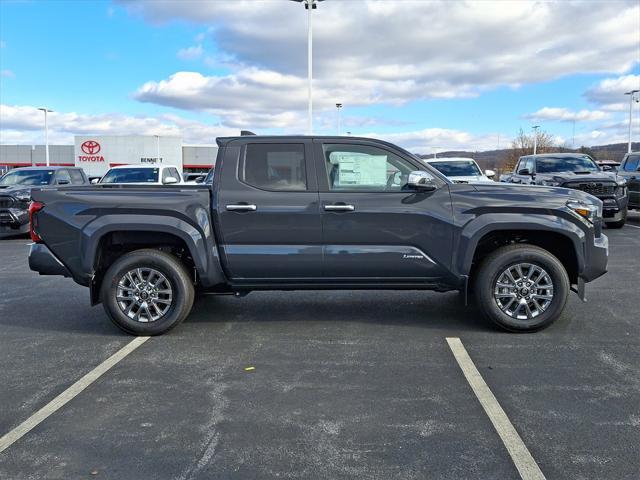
(97, 153)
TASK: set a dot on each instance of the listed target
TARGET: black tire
(167, 265)
(497, 262)
(619, 224)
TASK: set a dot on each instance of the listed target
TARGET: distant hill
(495, 159)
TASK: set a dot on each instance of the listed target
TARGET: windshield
(27, 177)
(209, 177)
(131, 175)
(565, 164)
(465, 168)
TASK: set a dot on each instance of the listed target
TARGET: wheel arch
(563, 239)
(108, 239)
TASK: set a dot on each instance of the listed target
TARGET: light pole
(535, 138)
(157, 148)
(46, 134)
(631, 94)
(309, 5)
(339, 107)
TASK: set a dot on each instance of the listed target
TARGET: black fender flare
(198, 239)
(480, 226)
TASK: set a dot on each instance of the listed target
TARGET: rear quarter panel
(75, 219)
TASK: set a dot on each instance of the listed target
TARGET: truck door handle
(242, 208)
(339, 208)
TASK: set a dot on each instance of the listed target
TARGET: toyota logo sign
(90, 147)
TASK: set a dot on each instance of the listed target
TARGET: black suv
(579, 172)
(15, 192)
(630, 171)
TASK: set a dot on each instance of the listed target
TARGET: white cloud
(7, 74)
(566, 115)
(609, 94)
(190, 53)
(395, 52)
(430, 140)
(24, 124)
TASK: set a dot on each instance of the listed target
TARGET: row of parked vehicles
(616, 184)
(16, 186)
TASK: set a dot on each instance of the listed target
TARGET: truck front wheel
(522, 288)
(147, 292)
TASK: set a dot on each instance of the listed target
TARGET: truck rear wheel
(147, 292)
(522, 288)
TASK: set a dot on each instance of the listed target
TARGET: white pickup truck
(143, 175)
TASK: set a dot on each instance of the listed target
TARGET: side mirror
(94, 180)
(421, 180)
(63, 181)
(490, 173)
(170, 180)
(200, 179)
(524, 171)
(606, 168)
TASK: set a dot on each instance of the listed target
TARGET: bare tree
(523, 145)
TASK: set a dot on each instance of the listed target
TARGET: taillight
(34, 208)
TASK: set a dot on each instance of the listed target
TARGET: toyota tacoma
(294, 213)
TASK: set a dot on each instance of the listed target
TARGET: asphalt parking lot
(345, 384)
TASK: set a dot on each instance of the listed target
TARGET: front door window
(358, 168)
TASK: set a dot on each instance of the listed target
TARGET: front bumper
(13, 221)
(596, 259)
(44, 262)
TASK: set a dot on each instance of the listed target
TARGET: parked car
(15, 193)
(630, 171)
(461, 170)
(576, 171)
(143, 175)
(295, 213)
(608, 165)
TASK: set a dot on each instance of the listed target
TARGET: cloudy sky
(429, 75)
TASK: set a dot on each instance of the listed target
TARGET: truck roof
(558, 155)
(44, 167)
(449, 159)
(223, 141)
(117, 167)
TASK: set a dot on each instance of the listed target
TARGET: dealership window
(76, 177)
(275, 167)
(362, 168)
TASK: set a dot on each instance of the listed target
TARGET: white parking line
(524, 462)
(633, 226)
(34, 420)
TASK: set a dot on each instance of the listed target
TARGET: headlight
(584, 210)
(621, 182)
(24, 196)
(550, 183)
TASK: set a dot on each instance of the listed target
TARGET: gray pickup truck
(293, 213)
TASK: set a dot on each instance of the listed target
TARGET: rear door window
(62, 176)
(278, 167)
(175, 174)
(76, 177)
